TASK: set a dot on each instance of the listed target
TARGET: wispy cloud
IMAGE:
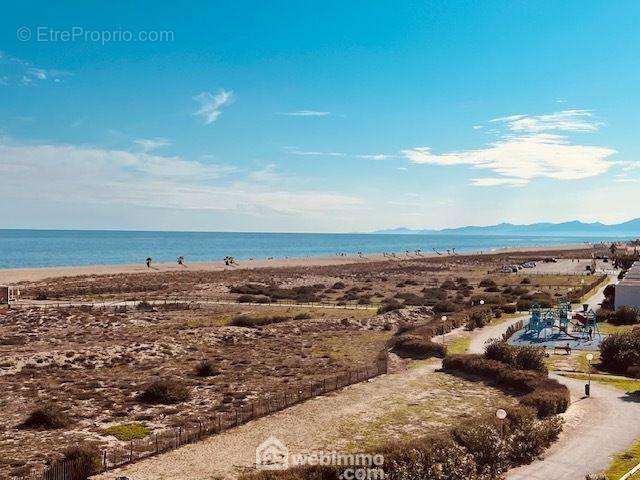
(85, 174)
(494, 182)
(149, 144)
(566, 121)
(530, 154)
(16, 71)
(320, 153)
(307, 113)
(211, 105)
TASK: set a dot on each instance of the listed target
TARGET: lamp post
(444, 319)
(587, 387)
(501, 415)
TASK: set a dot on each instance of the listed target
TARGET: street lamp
(481, 302)
(501, 415)
(587, 387)
(444, 320)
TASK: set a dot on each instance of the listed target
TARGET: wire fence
(172, 438)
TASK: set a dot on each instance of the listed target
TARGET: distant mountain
(574, 228)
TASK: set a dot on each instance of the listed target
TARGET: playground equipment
(543, 322)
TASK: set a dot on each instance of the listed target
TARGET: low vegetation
(166, 392)
(127, 431)
(476, 450)
(46, 417)
(620, 352)
(418, 347)
(546, 396)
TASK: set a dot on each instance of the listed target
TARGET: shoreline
(10, 276)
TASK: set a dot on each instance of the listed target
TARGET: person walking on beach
(148, 262)
(181, 260)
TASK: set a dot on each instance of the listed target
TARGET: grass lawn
(459, 345)
(607, 328)
(628, 385)
(623, 462)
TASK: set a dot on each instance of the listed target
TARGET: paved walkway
(596, 428)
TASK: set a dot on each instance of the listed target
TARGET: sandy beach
(16, 275)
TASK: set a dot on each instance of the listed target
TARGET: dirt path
(392, 406)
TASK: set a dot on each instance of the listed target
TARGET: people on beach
(148, 262)
(181, 260)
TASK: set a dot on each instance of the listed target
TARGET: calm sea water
(45, 248)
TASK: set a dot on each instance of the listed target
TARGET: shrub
(205, 369)
(633, 371)
(253, 322)
(621, 350)
(166, 392)
(302, 316)
(445, 306)
(509, 309)
(525, 281)
(500, 351)
(415, 346)
(478, 318)
(47, 417)
(85, 461)
(338, 286)
(624, 316)
(128, 431)
(389, 306)
(487, 446)
(448, 285)
(547, 396)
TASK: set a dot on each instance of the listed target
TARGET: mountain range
(577, 228)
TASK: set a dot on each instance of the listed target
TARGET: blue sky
(317, 116)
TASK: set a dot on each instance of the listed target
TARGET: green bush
(547, 396)
(127, 431)
(625, 316)
(620, 351)
(478, 318)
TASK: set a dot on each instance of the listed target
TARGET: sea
(51, 248)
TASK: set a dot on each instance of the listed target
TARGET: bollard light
(501, 414)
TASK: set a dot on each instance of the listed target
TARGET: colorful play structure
(558, 322)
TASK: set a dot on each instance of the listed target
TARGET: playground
(560, 328)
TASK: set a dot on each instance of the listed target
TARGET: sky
(330, 116)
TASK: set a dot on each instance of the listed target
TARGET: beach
(17, 275)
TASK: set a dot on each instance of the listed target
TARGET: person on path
(148, 262)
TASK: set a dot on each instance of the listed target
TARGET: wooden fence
(194, 431)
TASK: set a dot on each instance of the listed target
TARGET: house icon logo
(272, 454)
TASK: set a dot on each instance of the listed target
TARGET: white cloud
(624, 178)
(566, 121)
(529, 155)
(16, 71)
(307, 113)
(375, 156)
(318, 153)
(211, 105)
(149, 144)
(477, 127)
(494, 182)
(313, 153)
(85, 174)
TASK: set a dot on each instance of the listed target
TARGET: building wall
(628, 295)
